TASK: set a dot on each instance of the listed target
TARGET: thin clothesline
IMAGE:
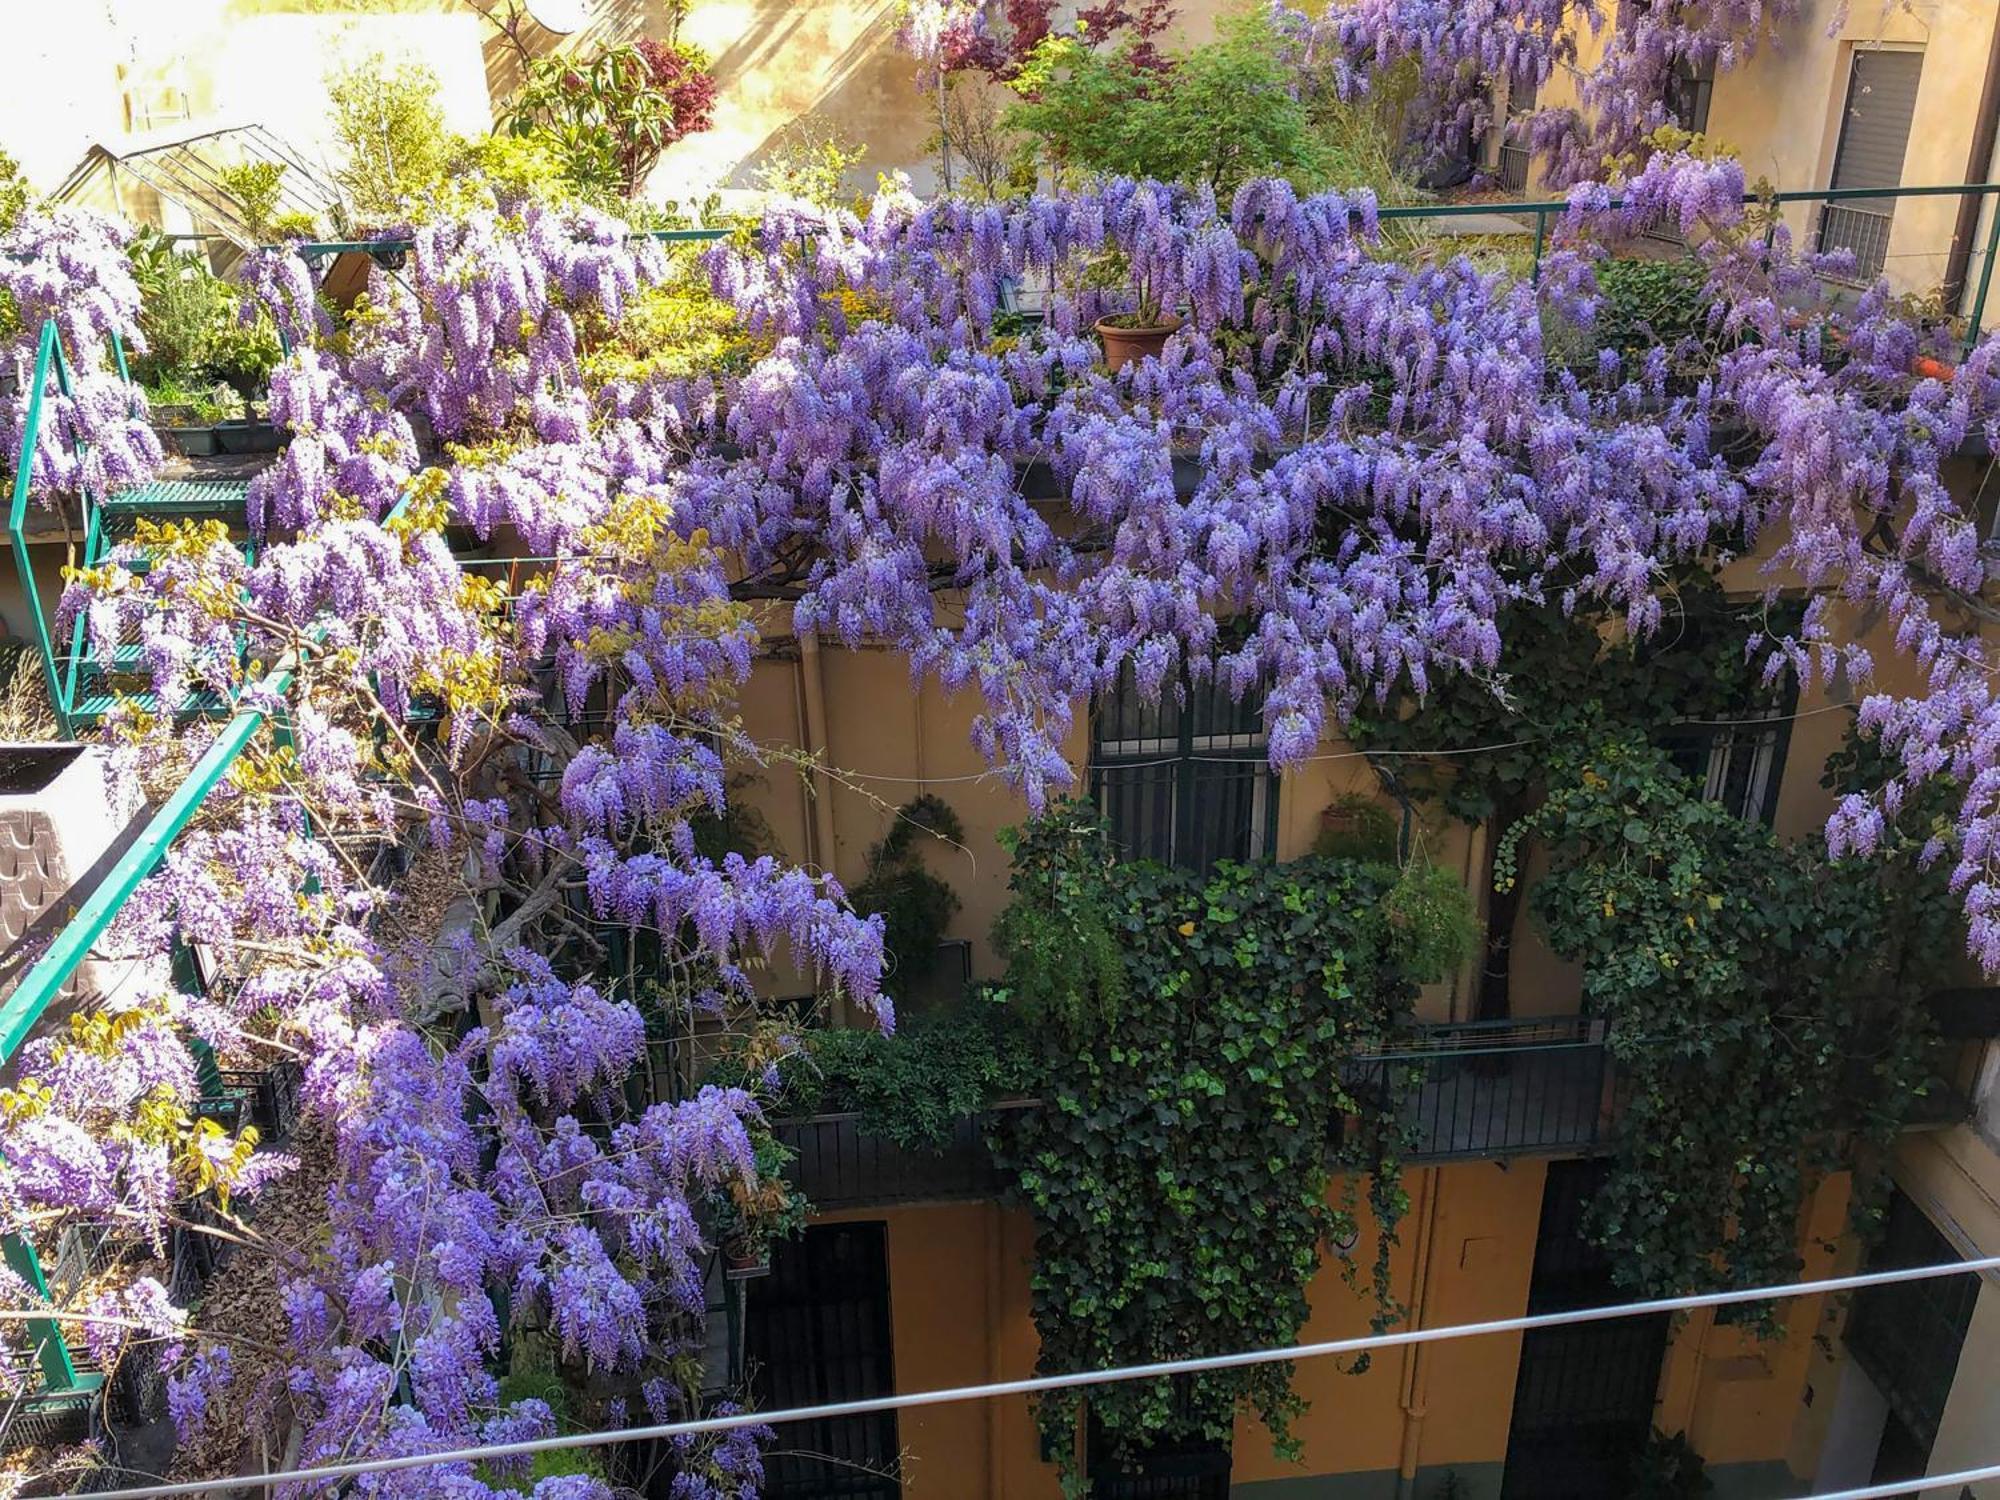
(1760, 722)
(1034, 1385)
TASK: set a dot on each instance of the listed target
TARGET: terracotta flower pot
(742, 1262)
(1123, 345)
(1926, 368)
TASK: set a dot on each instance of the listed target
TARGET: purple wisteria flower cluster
(1463, 51)
(70, 267)
(1327, 489)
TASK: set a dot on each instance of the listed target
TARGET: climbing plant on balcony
(1563, 673)
(1765, 1001)
(1193, 1110)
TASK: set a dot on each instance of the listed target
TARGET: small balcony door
(1874, 134)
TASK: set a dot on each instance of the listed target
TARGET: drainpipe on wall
(1986, 124)
(819, 786)
(1416, 1381)
(1465, 983)
(996, 1261)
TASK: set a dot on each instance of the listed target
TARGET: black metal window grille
(1740, 761)
(1583, 1399)
(1187, 1468)
(817, 1331)
(1187, 780)
(1908, 1336)
(1514, 160)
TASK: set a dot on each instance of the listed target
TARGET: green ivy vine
(1765, 1004)
(1181, 1167)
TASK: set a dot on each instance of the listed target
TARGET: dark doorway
(817, 1331)
(1583, 1401)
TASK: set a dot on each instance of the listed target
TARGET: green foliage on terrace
(198, 348)
(1181, 1169)
(1225, 112)
(1765, 1002)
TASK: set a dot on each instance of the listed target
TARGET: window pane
(1138, 802)
(1229, 812)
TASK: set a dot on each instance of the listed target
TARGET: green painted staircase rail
(42, 984)
(81, 685)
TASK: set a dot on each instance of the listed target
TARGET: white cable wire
(1037, 1383)
(1912, 1486)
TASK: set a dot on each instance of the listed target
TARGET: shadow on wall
(868, 96)
(775, 62)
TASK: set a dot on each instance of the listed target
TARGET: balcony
(1468, 1090)
(1494, 1088)
(840, 1165)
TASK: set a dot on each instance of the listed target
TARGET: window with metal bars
(1908, 1336)
(1739, 761)
(1186, 780)
(1184, 1468)
(1514, 163)
(1874, 137)
(1737, 758)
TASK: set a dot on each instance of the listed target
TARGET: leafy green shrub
(1756, 991)
(393, 137)
(914, 1087)
(1180, 1167)
(1064, 968)
(679, 329)
(1432, 927)
(1649, 302)
(15, 194)
(195, 335)
(606, 119)
(517, 169)
(255, 186)
(1224, 112)
(183, 305)
(809, 161)
(915, 905)
(242, 355)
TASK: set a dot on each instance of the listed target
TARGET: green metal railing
(1540, 210)
(63, 674)
(1543, 210)
(48, 360)
(41, 985)
(401, 244)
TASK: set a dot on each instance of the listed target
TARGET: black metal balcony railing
(1493, 1088)
(840, 1165)
(1465, 1090)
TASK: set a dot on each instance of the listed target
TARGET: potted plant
(1139, 334)
(188, 416)
(751, 1216)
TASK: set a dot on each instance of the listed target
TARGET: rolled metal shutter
(1874, 135)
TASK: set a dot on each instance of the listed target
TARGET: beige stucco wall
(1781, 112)
(111, 71)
